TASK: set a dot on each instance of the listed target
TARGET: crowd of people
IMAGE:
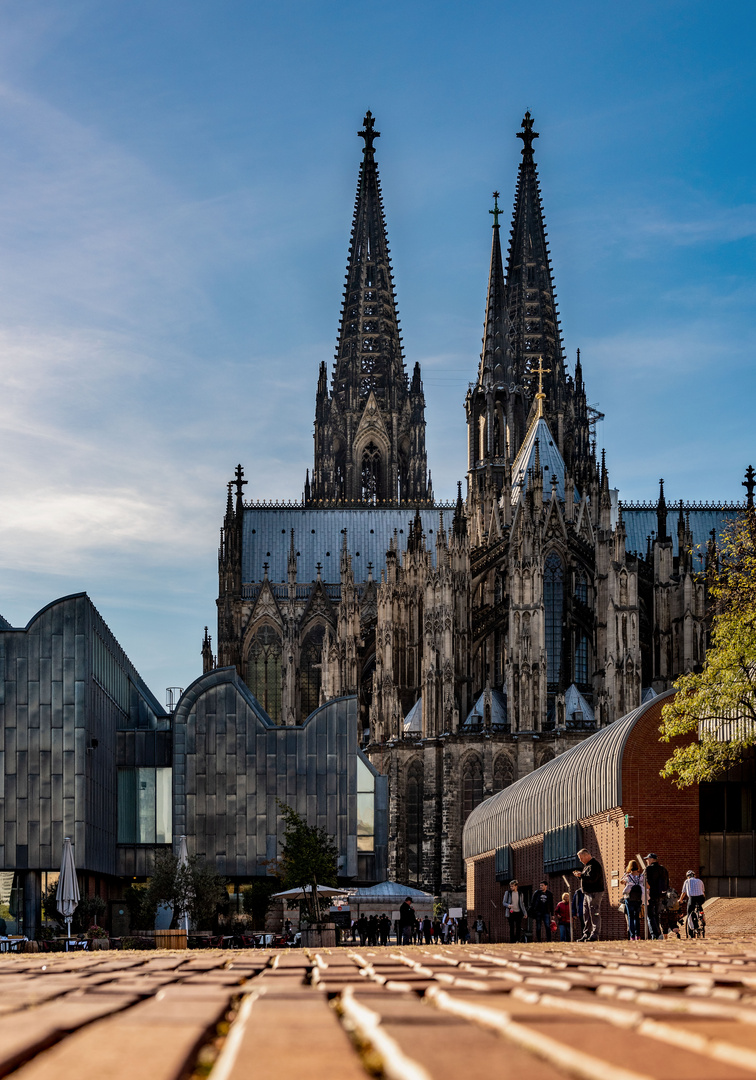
(539, 918)
(648, 887)
(410, 929)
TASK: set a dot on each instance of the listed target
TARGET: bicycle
(695, 923)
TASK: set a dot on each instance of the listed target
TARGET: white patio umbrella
(306, 890)
(183, 860)
(67, 896)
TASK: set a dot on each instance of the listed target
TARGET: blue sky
(176, 190)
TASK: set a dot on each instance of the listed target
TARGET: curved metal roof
(583, 781)
(390, 890)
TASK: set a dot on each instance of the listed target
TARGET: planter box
(319, 936)
(170, 939)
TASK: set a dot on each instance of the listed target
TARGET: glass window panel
(127, 804)
(311, 676)
(553, 599)
(163, 806)
(365, 814)
(365, 779)
(145, 806)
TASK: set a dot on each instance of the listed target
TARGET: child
(562, 913)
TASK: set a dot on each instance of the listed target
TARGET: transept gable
(372, 425)
(583, 525)
(266, 606)
(319, 603)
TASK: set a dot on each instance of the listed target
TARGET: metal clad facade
(313, 768)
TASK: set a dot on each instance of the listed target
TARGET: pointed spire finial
(527, 135)
(368, 133)
(749, 484)
(540, 371)
(496, 211)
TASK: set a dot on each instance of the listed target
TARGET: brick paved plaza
(612, 1011)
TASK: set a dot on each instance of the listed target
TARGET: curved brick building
(606, 795)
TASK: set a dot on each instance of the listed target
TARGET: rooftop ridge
(652, 504)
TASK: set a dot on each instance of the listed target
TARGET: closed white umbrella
(67, 896)
(183, 862)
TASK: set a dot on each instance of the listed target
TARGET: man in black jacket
(542, 908)
(592, 882)
(406, 921)
(657, 881)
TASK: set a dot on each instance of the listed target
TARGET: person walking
(479, 928)
(563, 917)
(362, 929)
(427, 929)
(542, 908)
(632, 896)
(384, 928)
(657, 883)
(515, 910)
(464, 931)
(406, 921)
(592, 880)
(578, 897)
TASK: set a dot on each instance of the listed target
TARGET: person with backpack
(515, 910)
(632, 898)
(479, 928)
(694, 892)
(657, 883)
(669, 913)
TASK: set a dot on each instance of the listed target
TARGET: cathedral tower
(370, 425)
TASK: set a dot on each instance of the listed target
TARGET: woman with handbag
(632, 898)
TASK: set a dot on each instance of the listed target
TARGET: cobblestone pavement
(614, 1011)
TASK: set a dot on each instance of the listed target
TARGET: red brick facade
(661, 818)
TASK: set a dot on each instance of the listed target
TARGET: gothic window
(553, 601)
(311, 674)
(341, 474)
(581, 586)
(369, 364)
(371, 473)
(542, 755)
(503, 774)
(623, 589)
(264, 670)
(472, 786)
(367, 384)
(368, 344)
(415, 824)
(581, 659)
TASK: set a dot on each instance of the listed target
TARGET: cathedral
(482, 637)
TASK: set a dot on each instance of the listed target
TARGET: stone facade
(485, 636)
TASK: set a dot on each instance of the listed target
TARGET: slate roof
(476, 716)
(640, 523)
(4, 624)
(552, 463)
(318, 537)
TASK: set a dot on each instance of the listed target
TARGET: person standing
(427, 929)
(515, 910)
(542, 908)
(592, 881)
(632, 879)
(464, 931)
(657, 883)
(578, 898)
(479, 928)
(406, 921)
(563, 917)
(384, 928)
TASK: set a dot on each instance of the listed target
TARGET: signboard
(395, 916)
(455, 912)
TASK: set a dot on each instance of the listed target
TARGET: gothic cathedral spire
(531, 299)
(370, 426)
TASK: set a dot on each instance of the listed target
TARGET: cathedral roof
(641, 522)
(574, 702)
(319, 537)
(539, 442)
(477, 714)
(413, 721)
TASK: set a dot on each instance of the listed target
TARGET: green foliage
(139, 917)
(88, 910)
(717, 706)
(309, 858)
(256, 899)
(196, 888)
(95, 931)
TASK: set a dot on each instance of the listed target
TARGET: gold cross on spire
(496, 211)
(540, 371)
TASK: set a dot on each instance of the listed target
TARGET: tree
(717, 705)
(196, 888)
(309, 858)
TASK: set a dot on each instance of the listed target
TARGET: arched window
(311, 675)
(472, 786)
(553, 601)
(371, 473)
(581, 659)
(503, 774)
(264, 670)
(415, 823)
(581, 586)
(542, 755)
